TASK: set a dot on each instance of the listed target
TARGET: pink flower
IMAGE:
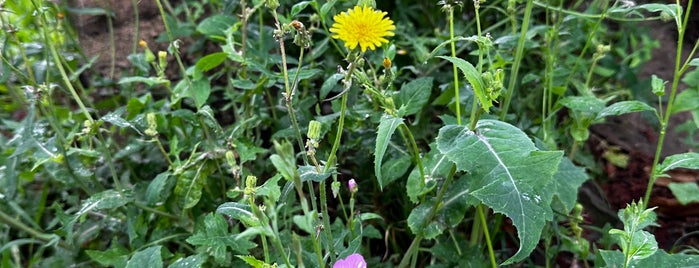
(352, 186)
(352, 261)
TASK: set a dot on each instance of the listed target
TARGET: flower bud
(314, 129)
(387, 63)
(352, 186)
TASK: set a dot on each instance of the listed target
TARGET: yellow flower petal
(362, 26)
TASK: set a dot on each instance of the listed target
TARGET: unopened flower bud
(250, 184)
(314, 129)
(352, 186)
(162, 59)
(387, 63)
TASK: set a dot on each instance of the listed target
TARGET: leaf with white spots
(507, 173)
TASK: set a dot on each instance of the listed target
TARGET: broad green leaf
(507, 173)
(624, 107)
(116, 119)
(668, 9)
(474, 78)
(614, 258)
(395, 168)
(157, 191)
(686, 192)
(326, 7)
(298, 7)
(414, 95)
(252, 261)
(270, 188)
(587, 105)
(284, 160)
(387, 126)
(215, 26)
(417, 220)
(147, 258)
(116, 256)
(193, 261)
(108, 199)
(309, 173)
(686, 160)
(211, 61)
(189, 186)
(329, 84)
(687, 100)
(567, 180)
(200, 91)
(239, 212)
(214, 238)
(436, 167)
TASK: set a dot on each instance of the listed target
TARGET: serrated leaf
(147, 258)
(211, 61)
(474, 78)
(386, 128)
(215, 26)
(624, 107)
(507, 173)
(686, 160)
(685, 193)
(414, 94)
(215, 238)
(239, 212)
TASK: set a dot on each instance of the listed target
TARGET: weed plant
(331, 133)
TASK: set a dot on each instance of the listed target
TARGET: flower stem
(679, 70)
(519, 53)
(456, 74)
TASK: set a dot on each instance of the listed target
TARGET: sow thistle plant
(191, 188)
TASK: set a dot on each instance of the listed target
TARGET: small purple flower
(352, 261)
(352, 186)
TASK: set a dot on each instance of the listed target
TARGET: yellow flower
(362, 26)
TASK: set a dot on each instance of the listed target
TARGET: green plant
(474, 115)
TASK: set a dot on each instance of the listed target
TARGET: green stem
(670, 102)
(78, 100)
(338, 135)
(482, 218)
(414, 246)
(410, 139)
(326, 223)
(456, 74)
(519, 53)
(13, 223)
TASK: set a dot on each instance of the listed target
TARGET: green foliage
(195, 156)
